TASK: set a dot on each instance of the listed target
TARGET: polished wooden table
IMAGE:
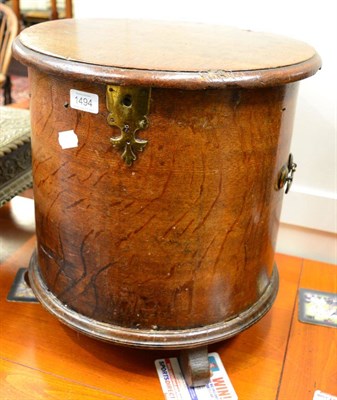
(278, 358)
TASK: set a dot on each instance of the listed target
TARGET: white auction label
(175, 388)
(84, 101)
(318, 395)
(68, 139)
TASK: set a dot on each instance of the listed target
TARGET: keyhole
(127, 100)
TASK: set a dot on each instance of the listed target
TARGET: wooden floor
(278, 358)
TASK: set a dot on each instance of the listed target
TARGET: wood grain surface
(312, 350)
(135, 247)
(183, 46)
(164, 54)
(21, 382)
(41, 357)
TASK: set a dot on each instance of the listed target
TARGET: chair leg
(7, 90)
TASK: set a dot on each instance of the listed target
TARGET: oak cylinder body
(177, 249)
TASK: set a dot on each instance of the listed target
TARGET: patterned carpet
(20, 89)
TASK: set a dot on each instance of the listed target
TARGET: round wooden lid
(164, 54)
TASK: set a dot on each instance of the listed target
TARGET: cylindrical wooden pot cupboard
(160, 159)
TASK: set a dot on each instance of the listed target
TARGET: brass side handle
(286, 174)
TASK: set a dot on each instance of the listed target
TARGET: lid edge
(75, 70)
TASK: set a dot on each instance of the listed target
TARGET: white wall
(310, 210)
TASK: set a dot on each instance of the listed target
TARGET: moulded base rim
(148, 338)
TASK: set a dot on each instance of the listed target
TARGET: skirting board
(309, 224)
(308, 243)
(310, 208)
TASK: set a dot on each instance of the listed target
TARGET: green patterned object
(15, 152)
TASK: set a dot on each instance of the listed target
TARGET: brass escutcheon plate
(128, 107)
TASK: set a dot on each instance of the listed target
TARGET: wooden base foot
(195, 366)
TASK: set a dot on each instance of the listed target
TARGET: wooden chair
(8, 31)
(29, 17)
